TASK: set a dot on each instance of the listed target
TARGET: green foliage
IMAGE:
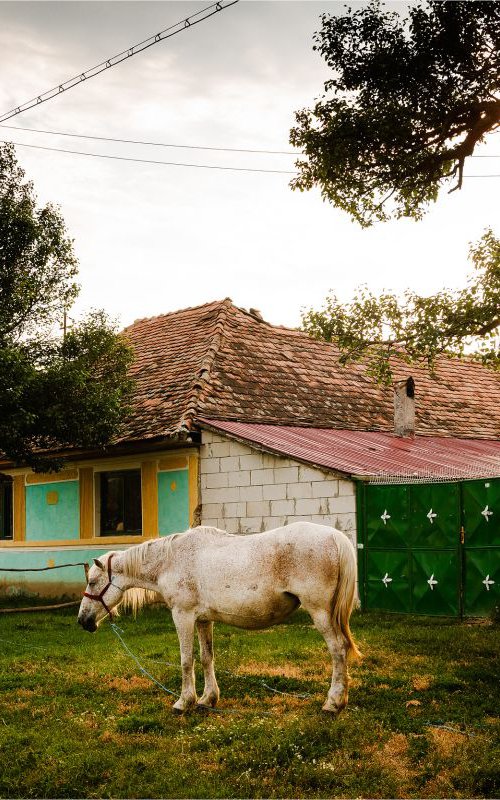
(97, 728)
(55, 392)
(415, 330)
(409, 100)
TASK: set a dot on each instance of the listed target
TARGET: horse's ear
(98, 564)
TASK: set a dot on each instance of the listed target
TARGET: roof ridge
(176, 312)
(202, 376)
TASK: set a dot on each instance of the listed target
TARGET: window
(120, 504)
(5, 508)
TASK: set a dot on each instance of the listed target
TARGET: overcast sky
(152, 239)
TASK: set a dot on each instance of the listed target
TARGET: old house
(245, 425)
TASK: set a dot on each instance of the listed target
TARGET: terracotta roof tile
(219, 361)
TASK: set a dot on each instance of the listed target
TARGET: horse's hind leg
(337, 694)
(184, 624)
(211, 691)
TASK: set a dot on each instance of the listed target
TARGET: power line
(172, 163)
(297, 154)
(152, 144)
(149, 160)
(172, 30)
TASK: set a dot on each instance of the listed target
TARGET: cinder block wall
(245, 491)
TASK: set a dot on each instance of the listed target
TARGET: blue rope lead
(118, 631)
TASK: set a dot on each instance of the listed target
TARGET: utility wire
(297, 153)
(149, 160)
(153, 144)
(193, 19)
(173, 163)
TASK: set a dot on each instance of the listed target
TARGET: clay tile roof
(222, 362)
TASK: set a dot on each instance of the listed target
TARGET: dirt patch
(27, 694)
(20, 705)
(421, 682)
(128, 684)
(438, 786)
(397, 745)
(261, 668)
(446, 742)
(393, 757)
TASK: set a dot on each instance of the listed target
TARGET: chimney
(404, 407)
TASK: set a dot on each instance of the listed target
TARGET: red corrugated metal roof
(372, 453)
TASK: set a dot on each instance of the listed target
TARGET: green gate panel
(482, 513)
(482, 581)
(388, 580)
(436, 582)
(387, 516)
(432, 548)
(435, 515)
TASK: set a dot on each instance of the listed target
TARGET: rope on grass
(448, 728)
(39, 608)
(118, 633)
(302, 696)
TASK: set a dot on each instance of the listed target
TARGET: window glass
(121, 504)
(5, 509)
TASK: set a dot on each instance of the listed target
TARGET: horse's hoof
(209, 702)
(332, 708)
(183, 707)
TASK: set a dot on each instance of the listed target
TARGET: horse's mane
(145, 561)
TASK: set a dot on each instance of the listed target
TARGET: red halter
(101, 595)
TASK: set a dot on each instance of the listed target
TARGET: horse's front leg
(184, 624)
(211, 691)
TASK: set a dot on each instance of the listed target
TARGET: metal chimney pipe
(404, 407)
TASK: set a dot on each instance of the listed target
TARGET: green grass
(77, 719)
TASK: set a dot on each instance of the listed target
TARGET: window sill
(97, 541)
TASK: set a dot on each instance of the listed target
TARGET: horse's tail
(345, 592)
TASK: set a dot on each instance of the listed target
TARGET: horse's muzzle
(87, 624)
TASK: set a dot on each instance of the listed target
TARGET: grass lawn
(77, 719)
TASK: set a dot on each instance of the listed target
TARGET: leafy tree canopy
(55, 391)
(409, 100)
(414, 329)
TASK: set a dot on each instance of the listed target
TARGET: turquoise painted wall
(25, 558)
(52, 582)
(46, 520)
(173, 501)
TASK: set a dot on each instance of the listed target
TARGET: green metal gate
(430, 548)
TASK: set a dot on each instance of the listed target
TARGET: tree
(56, 392)
(409, 101)
(383, 330)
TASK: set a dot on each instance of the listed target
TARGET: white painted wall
(245, 491)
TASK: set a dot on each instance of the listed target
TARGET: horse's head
(104, 591)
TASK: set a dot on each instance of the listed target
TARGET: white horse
(206, 575)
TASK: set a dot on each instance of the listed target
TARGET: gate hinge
(462, 535)
(360, 545)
